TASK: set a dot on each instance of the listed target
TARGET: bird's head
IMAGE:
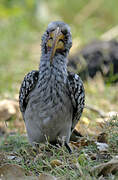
(56, 40)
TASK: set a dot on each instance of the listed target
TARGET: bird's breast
(50, 97)
(50, 107)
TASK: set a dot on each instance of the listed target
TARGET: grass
(16, 147)
(15, 54)
(19, 54)
(38, 160)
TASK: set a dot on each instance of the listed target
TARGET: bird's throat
(55, 72)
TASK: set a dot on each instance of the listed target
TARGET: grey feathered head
(57, 39)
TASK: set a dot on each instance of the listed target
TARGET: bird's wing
(77, 95)
(28, 84)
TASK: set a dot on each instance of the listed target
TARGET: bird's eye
(52, 30)
(48, 32)
(64, 31)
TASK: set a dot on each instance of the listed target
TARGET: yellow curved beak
(54, 42)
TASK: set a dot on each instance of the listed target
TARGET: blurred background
(22, 24)
(94, 56)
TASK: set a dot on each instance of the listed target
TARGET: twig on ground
(110, 34)
(87, 10)
(100, 112)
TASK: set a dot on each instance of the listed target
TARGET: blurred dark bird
(52, 99)
(97, 56)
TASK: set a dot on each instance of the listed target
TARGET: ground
(15, 149)
(20, 53)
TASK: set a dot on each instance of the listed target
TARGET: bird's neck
(57, 69)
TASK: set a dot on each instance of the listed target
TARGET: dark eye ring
(48, 32)
(64, 31)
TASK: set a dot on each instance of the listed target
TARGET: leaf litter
(98, 150)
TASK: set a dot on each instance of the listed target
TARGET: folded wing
(28, 84)
(77, 95)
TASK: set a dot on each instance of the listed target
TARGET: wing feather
(77, 95)
(28, 84)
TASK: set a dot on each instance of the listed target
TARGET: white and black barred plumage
(52, 99)
(76, 91)
(27, 86)
(77, 95)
